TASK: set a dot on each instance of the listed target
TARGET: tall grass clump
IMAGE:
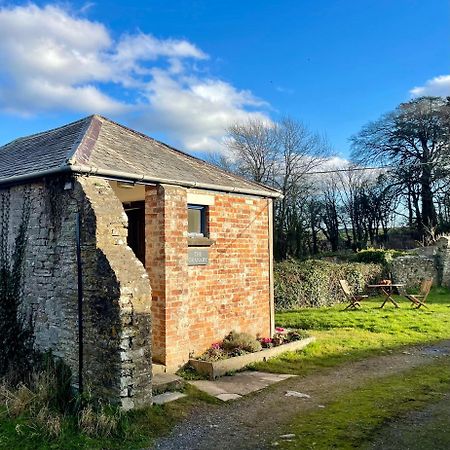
(50, 404)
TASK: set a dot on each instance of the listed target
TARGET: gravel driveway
(257, 420)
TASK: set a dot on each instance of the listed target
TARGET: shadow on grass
(350, 335)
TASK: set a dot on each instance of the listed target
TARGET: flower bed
(239, 344)
(239, 350)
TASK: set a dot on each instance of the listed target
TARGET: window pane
(194, 221)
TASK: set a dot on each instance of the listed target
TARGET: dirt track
(256, 421)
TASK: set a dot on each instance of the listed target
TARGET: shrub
(214, 354)
(237, 344)
(241, 341)
(315, 283)
(377, 256)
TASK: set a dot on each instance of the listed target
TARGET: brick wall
(117, 295)
(194, 306)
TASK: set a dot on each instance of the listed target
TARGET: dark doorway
(136, 228)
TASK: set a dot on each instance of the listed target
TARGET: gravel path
(257, 420)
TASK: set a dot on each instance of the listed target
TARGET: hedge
(378, 256)
(314, 283)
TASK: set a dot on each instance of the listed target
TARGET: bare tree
(253, 149)
(330, 222)
(278, 154)
(224, 161)
(299, 151)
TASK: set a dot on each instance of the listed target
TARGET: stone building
(165, 253)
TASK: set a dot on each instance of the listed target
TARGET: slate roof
(98, 146)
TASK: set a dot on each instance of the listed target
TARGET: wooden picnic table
(388, 291)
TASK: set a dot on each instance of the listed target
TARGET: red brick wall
(155, 265)
(194, 306)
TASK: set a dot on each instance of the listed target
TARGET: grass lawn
(356, 334)
(355, 418)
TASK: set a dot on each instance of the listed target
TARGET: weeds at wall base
(48, 401)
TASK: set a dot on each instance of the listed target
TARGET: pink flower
(266, 340)
(216, 345)
(280, 330)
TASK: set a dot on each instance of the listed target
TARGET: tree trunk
(429, 219)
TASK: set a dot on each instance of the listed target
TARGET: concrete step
(167, 397)
(158, 368)
(163, 382)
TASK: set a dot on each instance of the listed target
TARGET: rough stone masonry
(117, 294)
(426, 263)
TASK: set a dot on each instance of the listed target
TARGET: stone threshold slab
(163, 382)
(167, 397)
(236, 386)
(216, 369)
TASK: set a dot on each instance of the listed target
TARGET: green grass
(355, 334)
(138, 428)
(341, 336)
(353, 419)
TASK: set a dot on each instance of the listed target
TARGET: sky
(183, 71)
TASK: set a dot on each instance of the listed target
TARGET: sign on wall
(197, 256)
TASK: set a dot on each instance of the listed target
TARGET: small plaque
(198, 256)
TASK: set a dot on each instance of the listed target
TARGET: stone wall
(194, 306)
(412, 269)
(427, 262)
(117, 295)
(443, 260)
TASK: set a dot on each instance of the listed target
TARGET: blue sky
(184, 70)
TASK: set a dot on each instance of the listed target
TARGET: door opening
(136, 228)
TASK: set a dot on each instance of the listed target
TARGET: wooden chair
(419, 299)
(353, 299)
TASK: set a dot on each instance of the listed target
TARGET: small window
(196, 221)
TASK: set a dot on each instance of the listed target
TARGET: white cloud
(54, 96)
(49, 43)
(437, 86)
(196, 111)
(51, 59)
(54, 60)
(145, 48)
